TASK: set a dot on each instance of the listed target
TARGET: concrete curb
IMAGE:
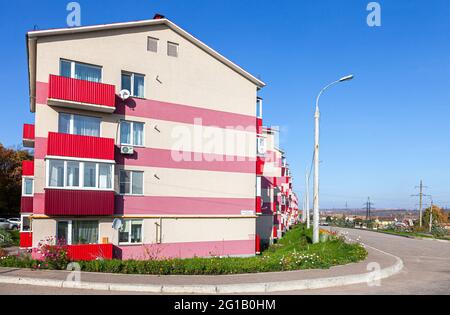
(269, 287)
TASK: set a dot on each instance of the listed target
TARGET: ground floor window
(77, 232)
(25, 225)
(131, 232)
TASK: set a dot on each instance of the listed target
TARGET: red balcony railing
(61, 202)
(275, 232)
(259, 126)
(90, 252)
(27, 168)
(26, 239)
(60, 144)
(259, 205)
(26, 205)
(260, 166)
(28, 136)
(258, 244)
(81, 94)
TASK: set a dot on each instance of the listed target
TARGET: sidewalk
(247, 283)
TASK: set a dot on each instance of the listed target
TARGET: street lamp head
(347, 78)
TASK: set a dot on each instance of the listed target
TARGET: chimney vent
(159, 16)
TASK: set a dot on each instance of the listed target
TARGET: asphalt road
(426, 271)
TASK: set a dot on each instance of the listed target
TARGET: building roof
(32, 37)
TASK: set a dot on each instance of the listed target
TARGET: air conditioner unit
(127, 150)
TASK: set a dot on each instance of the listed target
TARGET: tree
(329, 219)
(11, 179)
(438, 216)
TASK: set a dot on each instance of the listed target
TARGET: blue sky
(381, 133)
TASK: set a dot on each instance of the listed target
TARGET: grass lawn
(293, 252)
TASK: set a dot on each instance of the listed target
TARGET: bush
(54, 253)
(439, 232)
(293, 252)
(5, 238)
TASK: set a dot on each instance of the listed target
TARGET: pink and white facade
(174, 163)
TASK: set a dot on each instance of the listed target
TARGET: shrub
(54, 254)
(439, 232)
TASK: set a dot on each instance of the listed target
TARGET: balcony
(90, 252)
(28, 168)
(80, 94)
(64, 202)
(65, 145)
(259, 126)
(28, 136)
(26, 240)
(26, 205)
(260, 166)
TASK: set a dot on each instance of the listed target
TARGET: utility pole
(431, 216)
(421, 195)
(368, 209)
(308, 216)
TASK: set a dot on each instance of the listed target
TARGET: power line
(369, 209)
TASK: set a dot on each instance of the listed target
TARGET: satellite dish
(125, 94)
(117, 224)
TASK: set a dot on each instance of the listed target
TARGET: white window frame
(21, 223)
(132, 133)
(73, 64)
(23, 186)
(261, 145)
(129, 234)
(70, 230)
(132, 74)
(131, 183)
(72, 122)
(258, 186)
(82, 163)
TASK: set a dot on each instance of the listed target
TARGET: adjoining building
(144, 142)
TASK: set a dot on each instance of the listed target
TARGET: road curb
(268, 287)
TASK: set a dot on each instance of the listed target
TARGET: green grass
(293, 252)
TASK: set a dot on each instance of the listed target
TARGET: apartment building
(277, 204)
(144, 142)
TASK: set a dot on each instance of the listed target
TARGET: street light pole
(308, 217)
(316, 215)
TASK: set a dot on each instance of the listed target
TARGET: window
(131, 182)
(131, 232)
(261, 146)
(152, 44)
(25, 225)
(79, 125)
(81, 175)
(134, 83)
(27, 187)
(76, 70)
(258, 186)
(77, 232)
(172, 49)
(132, 133)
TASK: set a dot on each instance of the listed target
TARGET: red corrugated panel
(258, 205)
(28, 132)
(275, 232)
(26, 239)
(26, 205)
(61, 88)
(60, 144)
(90, 252)
(60, 202)
(259, 126)
(258, 244)
(27, 168)
(259, 166)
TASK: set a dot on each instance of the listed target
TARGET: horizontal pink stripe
(170, 112)
(147, 205)
(188, 250)
(149, 157)
(39, 204)
(208, 162)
